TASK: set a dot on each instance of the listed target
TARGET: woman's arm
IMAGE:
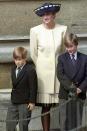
(33, 45)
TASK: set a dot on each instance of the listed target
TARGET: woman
(46, 43)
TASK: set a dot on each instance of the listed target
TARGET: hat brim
(41, 11)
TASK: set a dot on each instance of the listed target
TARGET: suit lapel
(70, 66)
(20, 76)
(73, 72)
(78, 63)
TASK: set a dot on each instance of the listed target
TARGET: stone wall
(17, 16)
(5, 80)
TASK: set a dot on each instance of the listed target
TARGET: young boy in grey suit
(72, 74)
(24, 90)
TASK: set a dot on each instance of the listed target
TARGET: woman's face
(48, 18)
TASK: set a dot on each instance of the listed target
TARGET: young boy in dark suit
(24, 90)
(72, 74)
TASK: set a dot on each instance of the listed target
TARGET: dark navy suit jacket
(67, 74)
(24, 87)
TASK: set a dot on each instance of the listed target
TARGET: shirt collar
(20, 67)
(75, 56)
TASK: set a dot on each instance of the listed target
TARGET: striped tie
(19, 69)
(73, 59)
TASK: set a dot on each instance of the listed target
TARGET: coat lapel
(70, 66)
(20, 76)
(71, 70)
(78, 63)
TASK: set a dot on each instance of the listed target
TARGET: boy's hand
(78, 91)
(31, 106)
(72, 87)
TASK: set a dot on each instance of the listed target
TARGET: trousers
(17, 112)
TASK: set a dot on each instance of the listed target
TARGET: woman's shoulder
(61, 26)
(38, 27)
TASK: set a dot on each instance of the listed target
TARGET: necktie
(73, 59)
(19, 69)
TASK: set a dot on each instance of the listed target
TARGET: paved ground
(35, 124)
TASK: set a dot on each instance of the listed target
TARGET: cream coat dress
(45, 47)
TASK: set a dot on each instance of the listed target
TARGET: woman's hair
(20, 52)
(70, 39)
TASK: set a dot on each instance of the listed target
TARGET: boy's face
(71, 48)
(19, 61)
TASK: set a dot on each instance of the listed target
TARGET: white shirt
(17, 70)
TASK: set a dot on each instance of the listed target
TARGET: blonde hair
(20, 52)
(70, 38)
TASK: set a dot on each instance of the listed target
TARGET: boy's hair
(20, 52)
(70, 39)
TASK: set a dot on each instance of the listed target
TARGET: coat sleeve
(83, 85)
(33, 45)
(32, 85)
(64, 80)
(63, 37)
